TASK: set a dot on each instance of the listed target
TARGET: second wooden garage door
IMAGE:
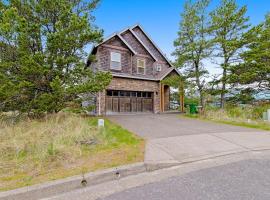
(129, 101)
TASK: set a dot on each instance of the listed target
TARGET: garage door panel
(139, 104)
(115, 104)
(126, 101)
(109, 105)
(133, 104)
(147, 104)
(124, 104)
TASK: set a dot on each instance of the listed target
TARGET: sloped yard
(61, 145)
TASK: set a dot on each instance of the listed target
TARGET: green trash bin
(192, 109)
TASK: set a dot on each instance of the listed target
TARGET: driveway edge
(50, 188)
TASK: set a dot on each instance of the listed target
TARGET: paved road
(245, 180)
(244, 176)
(152, 126)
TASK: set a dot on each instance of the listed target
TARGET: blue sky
(159, 18)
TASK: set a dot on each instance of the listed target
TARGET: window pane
(115, 57)
(127, 94)
(158, 67)
(140, 66)
(144, 94)
(139, 94)
(133, 94)
(140, 70)
(115, 65)
(115, 61)
(109, 92)
(122, 93)
(115, 93)
(140, 63)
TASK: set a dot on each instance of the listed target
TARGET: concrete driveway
(150, 126)
(172, 139)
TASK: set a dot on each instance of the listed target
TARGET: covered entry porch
(171, 99)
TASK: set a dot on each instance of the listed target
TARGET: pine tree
(193, 44)
(229, 24)
(255, 68)
(43, 54)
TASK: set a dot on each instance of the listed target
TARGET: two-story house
(137, 66)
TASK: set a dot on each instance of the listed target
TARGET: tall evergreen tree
(255, 68)
(43, 54)
(193, 44)
(229, 23)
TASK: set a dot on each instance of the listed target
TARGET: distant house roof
(263, 95)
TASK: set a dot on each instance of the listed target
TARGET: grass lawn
(62, 145)
(253, 124)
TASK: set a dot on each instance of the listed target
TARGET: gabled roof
(118, 34)
(166, 73)
(140, 27)
(110, 37)
(140, 41)
(131, 49)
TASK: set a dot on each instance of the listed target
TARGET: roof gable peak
(150, 39)
(140, 41)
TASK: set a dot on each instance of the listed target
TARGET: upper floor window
(115, 61)
(140, 66)
(158, 67)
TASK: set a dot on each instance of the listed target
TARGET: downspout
(99, 113)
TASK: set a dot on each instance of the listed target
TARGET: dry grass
(250, 117)
(62, 145)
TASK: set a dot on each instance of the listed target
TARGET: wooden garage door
(129, 101)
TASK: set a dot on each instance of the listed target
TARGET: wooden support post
(161, 97)
(160, 103)
(182, 94)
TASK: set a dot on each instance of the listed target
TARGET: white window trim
(141, 59)
(158, 65)
(113, 52)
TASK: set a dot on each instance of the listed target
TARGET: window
(140, 66)
(115, 93)
(115, 61)
(133, 94)
(158, 67)
(127, 94)
(122, 93)
(109, 93)
(144, 94)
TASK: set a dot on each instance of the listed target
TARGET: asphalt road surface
(243, 180)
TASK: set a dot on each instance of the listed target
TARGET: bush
(257, 111)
